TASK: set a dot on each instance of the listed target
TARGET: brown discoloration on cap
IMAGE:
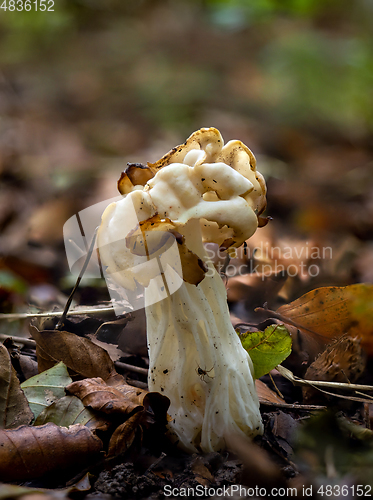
(135, 174)
(154, 236)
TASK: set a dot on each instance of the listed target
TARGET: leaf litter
(44, 389)
(341, 332)
(120, 413)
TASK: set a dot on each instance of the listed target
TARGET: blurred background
(92, 85)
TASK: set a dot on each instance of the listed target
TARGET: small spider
(203, 373)
(245, 248)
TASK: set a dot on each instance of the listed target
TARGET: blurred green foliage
(315, 77)
(313, 58)
(25, 33)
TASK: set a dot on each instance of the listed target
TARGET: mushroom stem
(204, 369)
(201, 191)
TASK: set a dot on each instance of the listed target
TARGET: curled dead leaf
(30, 452)
(266, 395)
(14, 408)
(124, 435)
(154, 403)
(101, 397)
(342, 361)
(80, 355)
(334, 311)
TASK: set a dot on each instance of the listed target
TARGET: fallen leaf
(159, 404)
(14, 408)
(135, 394)
(124, 435)
(101, 397)
(284, 428)
(69, 410)
(342, 361)
(46, 387)
(13, 491)
(30, 452)
(80, 355)
(266, 395)
(28, 366)
(201, 473)
(267, 349)
(333, 311)
(114, 352)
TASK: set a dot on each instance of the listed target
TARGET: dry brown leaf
(79, 354)
(28, 366)
(342, 361)
(14, 408)
(155, 400)
(114, 352)
(266, 395)
(96, 394)
(30, 452)
(124, 435)
(201, 473)
(334, 311)
(134, 394)
(159, 405)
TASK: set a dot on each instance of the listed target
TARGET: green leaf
(45, 388)
(267, 349)
(66, 411)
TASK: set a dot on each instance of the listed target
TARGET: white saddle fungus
(201, 191)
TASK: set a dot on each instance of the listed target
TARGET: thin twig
(18, 340)
(321, 383)
(244, 324)
(365, 395)
(57, 314)
(275, 386)
(137, 383)
(317, 384)
(131, 368)
(291, 406)
(81, 274)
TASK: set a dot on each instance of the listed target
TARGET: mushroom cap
(202, 179)
(217, 183)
